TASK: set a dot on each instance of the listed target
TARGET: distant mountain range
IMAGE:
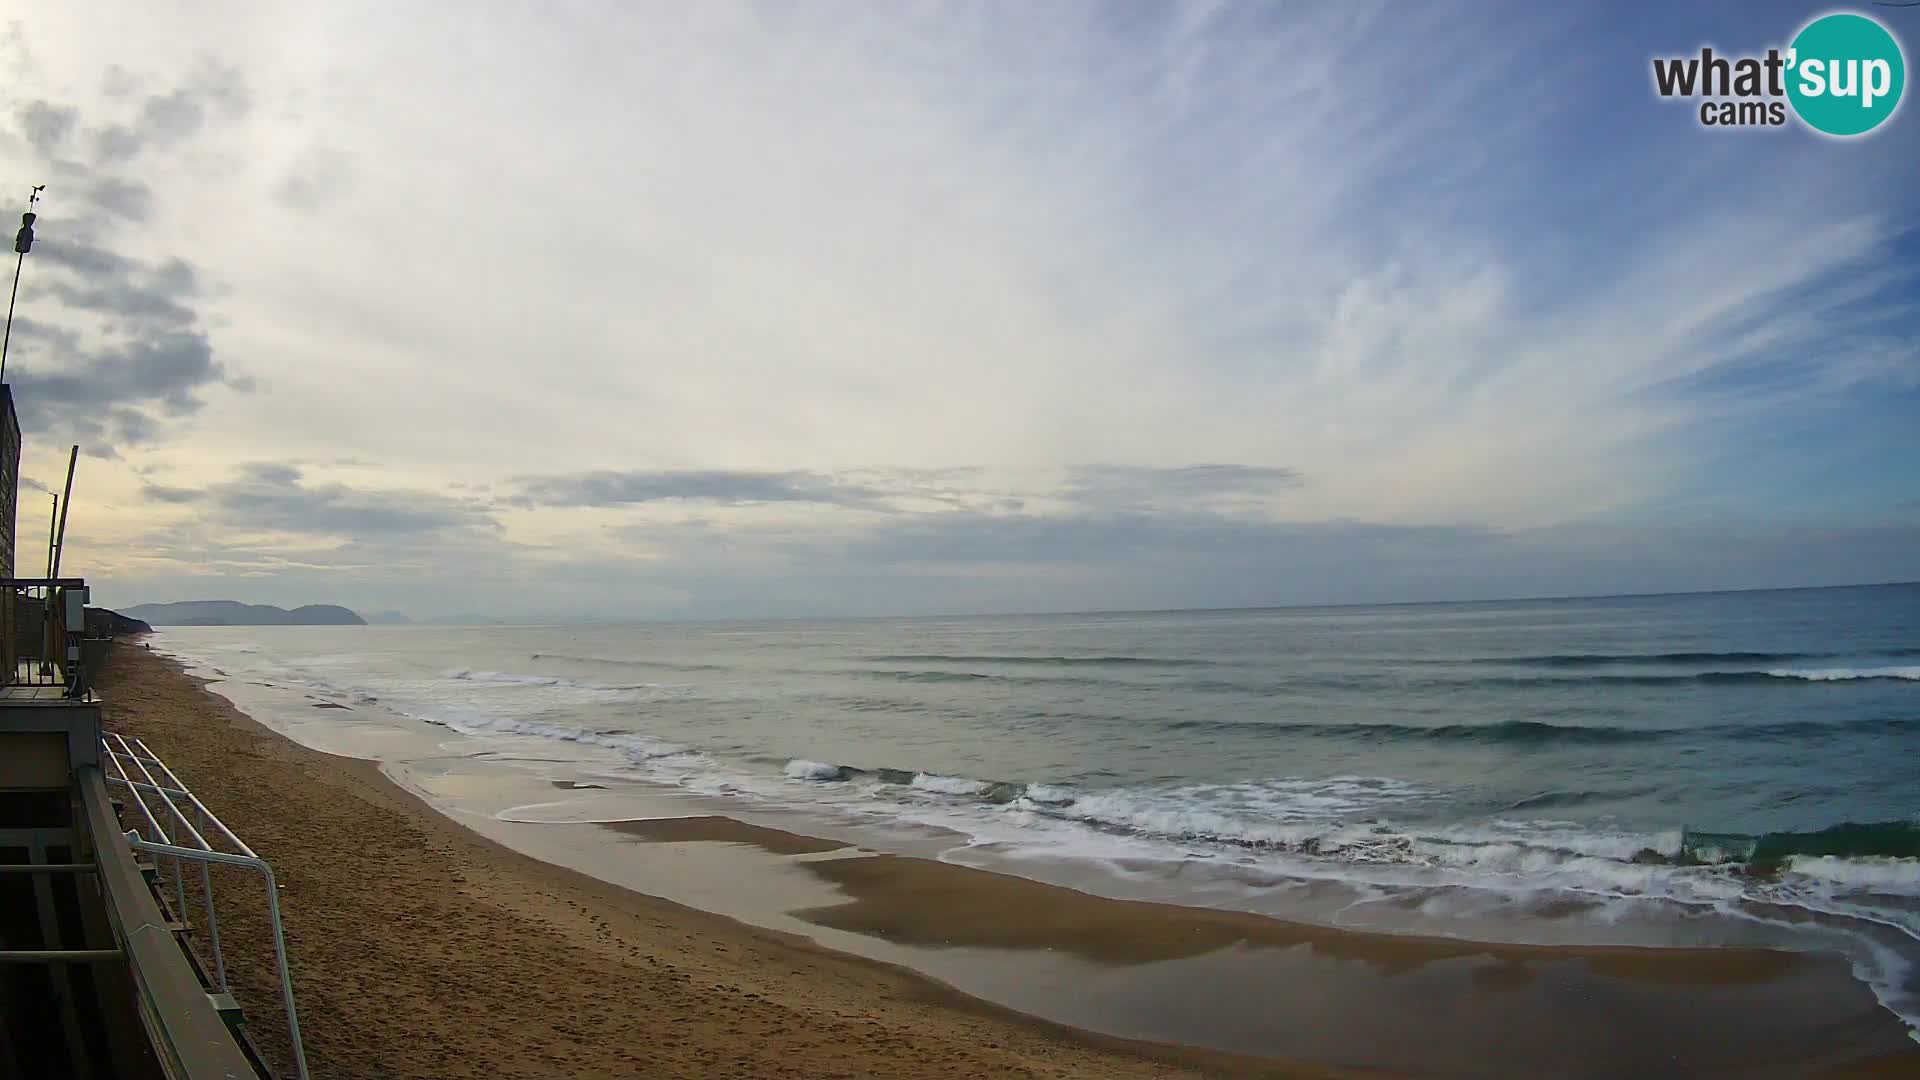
(234, 613)
(104, 623)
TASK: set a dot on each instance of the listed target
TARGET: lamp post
(22, 243)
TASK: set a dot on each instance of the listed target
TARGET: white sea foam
(1907, 672)
(802, 769)
(949, 785)
(1049, 794)
(1881, 875)
(634, 747)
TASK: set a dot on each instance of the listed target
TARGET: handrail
(118, 752)
(179, 1016)
(42, 956)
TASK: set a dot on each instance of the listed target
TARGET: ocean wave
(636, 748)
(509, 678)
(1371, 681)
(1883, 857)
(1546, 799)
(1899, 876)
(664, 665)
(1537, 732)
(1908, 674)
(950, 785)
(990, 791)
(1506, 731)
(941, 676)
(504, 677)
(802, 769)
(1850, 839)
(1581, 660)
(1040, 661)
(1349, 818)
(1862, 880)
(1714, 678)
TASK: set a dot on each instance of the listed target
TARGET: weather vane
(22, 243)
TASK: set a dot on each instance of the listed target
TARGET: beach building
(110, 962)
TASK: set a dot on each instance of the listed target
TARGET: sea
(1703, 769)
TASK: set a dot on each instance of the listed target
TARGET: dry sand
(423, 949)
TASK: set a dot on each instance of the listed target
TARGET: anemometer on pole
(22, 243)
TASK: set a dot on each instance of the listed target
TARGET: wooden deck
(17, 694)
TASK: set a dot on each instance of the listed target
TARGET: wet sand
(1395, 1003)
(424, 949)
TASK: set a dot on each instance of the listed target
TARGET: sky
(719, 310)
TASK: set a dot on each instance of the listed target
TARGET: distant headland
(234, 613)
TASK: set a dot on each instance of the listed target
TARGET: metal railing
(42, 624)
(188, 842)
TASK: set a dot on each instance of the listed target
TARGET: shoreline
(1763, 1010)
(643, 986)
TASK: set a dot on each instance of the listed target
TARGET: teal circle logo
(1845, 74)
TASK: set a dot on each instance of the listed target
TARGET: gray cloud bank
(435, 553)
(276, 498)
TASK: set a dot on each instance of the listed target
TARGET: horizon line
(616, 621)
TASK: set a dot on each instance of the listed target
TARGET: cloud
(151, 297)
(113, 395)
(162, 493)
(276, 497)
(721, 486)
(319, 177)
(45, 125)
(1091, 539)
(110, 348)
(1117, 487)
(117, 82)
(173, 117)
(1106, 486)
(950, 564)
(116, 143)
(1176, 292)
(119, 197)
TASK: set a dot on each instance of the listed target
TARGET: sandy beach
(422, 948)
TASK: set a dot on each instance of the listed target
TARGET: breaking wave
(508, 678)
(1318, 818)
(1597, 681)
(664, 665)
(1581, 660)
(1720, 678)
(638, 749)
(1536, 732)
(1039, 661)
